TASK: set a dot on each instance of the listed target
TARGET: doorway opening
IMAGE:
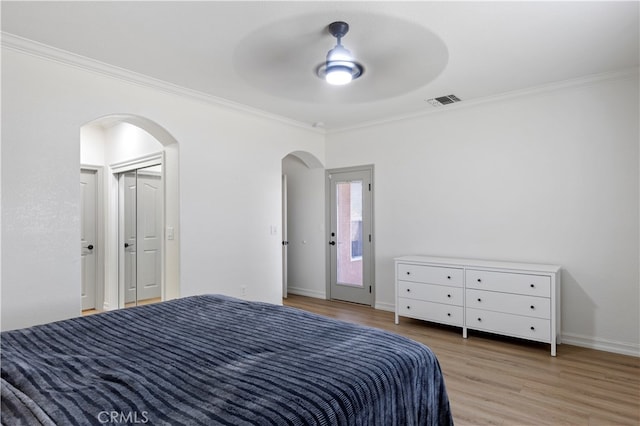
(303, 225)
(130, 147)
(91, 252)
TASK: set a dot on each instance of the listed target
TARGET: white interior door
(285, 241)
(142, 225)
(350, 204)
(129, 223)
(88, 233)
(149, 235)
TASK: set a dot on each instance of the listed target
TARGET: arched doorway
(113, 147)
(303, 224)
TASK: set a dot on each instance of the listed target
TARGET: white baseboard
(623, 348)
(385, 306)
(306, 292)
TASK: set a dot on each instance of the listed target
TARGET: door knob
(90, 246)
(333, 243)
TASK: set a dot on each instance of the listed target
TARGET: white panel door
(285, 240)
(130, 237)
(149, 280)
(88, 232)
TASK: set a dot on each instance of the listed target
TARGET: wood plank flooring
(492, 380)
(127, 305)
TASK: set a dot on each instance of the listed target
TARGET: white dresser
(513, 299)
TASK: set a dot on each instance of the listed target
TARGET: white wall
(230, 172)
(126, 142)
(550, 177)
(120, 141)
(306, 228)
(92, 145)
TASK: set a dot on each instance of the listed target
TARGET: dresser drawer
(437, 312)
(533, 285)
(430, 292)
(430, 274)
(513, 325)
(532, 306)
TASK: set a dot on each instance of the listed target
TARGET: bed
(207, 360)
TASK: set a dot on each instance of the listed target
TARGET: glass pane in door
(349, 233)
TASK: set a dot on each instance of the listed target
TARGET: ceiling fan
(340, 68)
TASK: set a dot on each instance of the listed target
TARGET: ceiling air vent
(443, 100)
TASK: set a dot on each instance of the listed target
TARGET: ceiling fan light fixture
(340, 67)
(338, 75)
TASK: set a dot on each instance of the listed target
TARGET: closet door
(130, 246)
(149, 236)
(142, 225)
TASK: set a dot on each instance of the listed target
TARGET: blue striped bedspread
(216, 360)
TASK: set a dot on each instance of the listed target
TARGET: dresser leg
(464, 332)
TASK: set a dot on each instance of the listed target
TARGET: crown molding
(50, 53)
(53, 54)
(629, 73)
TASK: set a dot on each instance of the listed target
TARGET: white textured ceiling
(263, 54)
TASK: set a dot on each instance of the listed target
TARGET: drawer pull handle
(408, 290)
(533, 328)
(449, 296)
(448, 314)
(408, 307)
(533, 307)
(408, 273)
(479, 319)
(448, 277)
(532, 285)
(479, 300)
(479, 280)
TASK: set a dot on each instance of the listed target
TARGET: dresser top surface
(479, 263)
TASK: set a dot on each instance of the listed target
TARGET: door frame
(369, 168)
(116, 207)
(99, 245)
(285, 238)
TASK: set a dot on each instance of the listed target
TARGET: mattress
(209, 360)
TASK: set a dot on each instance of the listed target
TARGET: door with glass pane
(350, 235)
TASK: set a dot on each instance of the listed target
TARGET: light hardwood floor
(127, 305)
(493, 380)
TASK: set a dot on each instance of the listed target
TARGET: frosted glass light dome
(340, 67)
